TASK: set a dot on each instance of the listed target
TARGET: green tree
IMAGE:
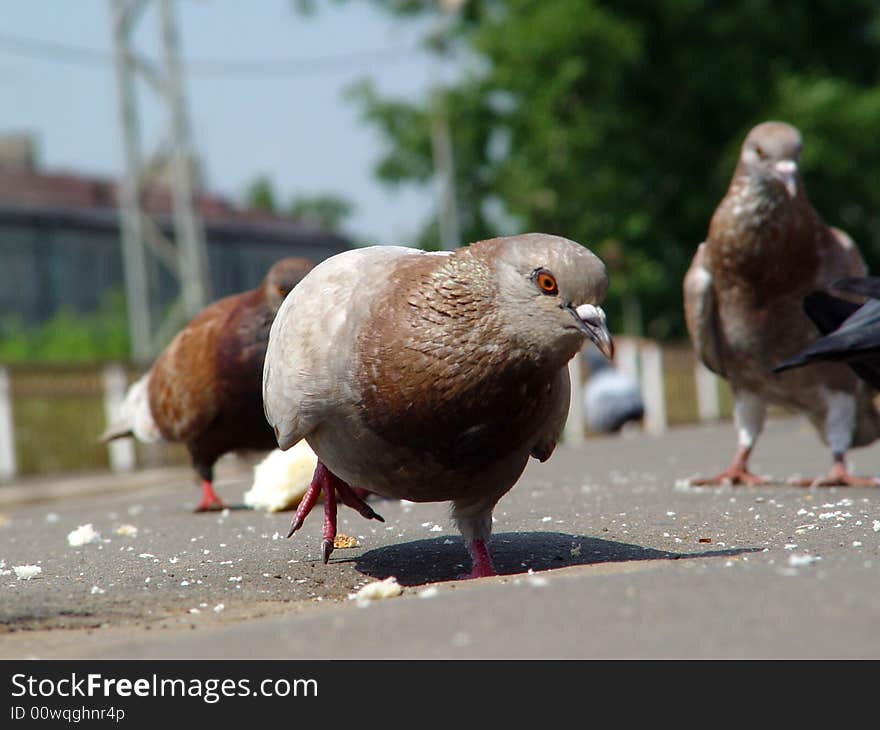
(328, 211)
(617, 123)
(260, 194)
(69, 337)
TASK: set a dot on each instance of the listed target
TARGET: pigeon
(850, 331)
(432, 377)
(611, 398)
(767, 248)
(204, 390)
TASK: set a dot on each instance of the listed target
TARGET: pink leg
(307, 502)
(349, 496)
(329, 534)
(332, 486)
(482, 567)
(838, 476)
(736, 473)
(210, 501)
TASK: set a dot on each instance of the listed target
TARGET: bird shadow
(231, 507)
(444, 558)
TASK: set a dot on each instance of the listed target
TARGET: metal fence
(51, 416)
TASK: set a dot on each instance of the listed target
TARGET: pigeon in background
(851, 332)
(611, 398)
(204, 390)
(432, 376)
(767, 248)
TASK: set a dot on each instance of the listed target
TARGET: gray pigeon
(432, 376)
(767, 248)
(611, 397)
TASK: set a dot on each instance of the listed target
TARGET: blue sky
(296, 128)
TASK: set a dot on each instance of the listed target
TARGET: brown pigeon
(767, 248)
(204, 390)
(432, 376)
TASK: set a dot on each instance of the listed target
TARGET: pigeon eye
(546, 282)
(759, 151)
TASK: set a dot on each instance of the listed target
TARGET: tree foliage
(68, 337)
(326, 210)
(617, 124)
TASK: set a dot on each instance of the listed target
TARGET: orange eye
(546, 282)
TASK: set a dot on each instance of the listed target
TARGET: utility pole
(444, 164)
(441, 133)
(186, 259)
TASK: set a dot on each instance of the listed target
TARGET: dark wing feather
(856, 341)
(828, 312)
(866, 286)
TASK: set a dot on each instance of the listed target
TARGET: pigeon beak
(591, 321)
(787, 171)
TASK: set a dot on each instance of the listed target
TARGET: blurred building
(60, 241)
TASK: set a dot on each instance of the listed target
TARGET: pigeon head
(549, 291)
(282, 277)
(772, 151)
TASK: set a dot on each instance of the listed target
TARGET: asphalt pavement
(602, 551)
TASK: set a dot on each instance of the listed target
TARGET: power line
(53, 51)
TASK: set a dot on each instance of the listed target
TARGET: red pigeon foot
(354, 497)
(737, 473)
(333, 487)
(732, 476)
(210, 501)
(838, 476)
(482, 567)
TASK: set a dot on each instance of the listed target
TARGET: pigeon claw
(326, 549)
(729, 477)
(305, 505)
(350, 497)
(333, 487)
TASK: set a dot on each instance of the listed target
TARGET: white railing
(7, 434)
(121, 452)
(640, 358)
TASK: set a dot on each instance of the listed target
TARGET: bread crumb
(27, 572)
(342, 542)
(83, 535)
(282, 478)
(797, 561)
(388, 588)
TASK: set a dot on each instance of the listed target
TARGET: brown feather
(205, 388)
(765, 251)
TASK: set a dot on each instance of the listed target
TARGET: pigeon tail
(116, 431)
